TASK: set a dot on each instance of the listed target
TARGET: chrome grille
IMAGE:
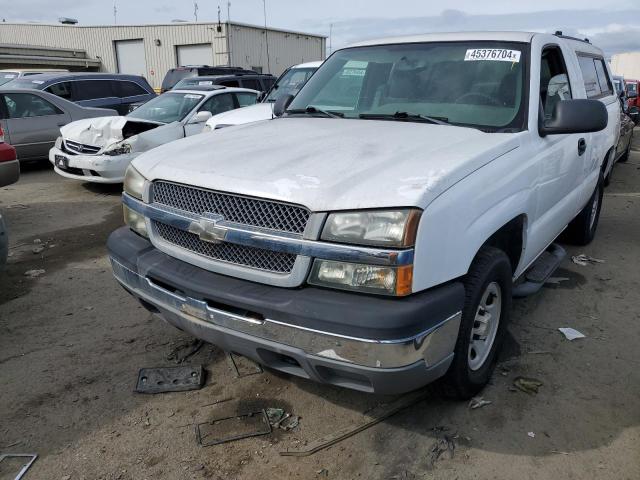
(267, 260)
(234, 208)
(75, 148)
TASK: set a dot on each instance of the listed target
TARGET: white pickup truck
(373, 234)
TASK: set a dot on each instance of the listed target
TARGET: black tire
(582, 229)
(491, 266)
(625, 155)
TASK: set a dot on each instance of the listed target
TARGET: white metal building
(151, 50)
(626, 64)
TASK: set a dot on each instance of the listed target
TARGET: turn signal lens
(362, 278)
(135, 221)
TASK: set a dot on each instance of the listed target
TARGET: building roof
(170, 24)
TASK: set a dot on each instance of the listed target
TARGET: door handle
(582, 146)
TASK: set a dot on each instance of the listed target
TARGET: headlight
(136, 222)
(384, 228)
(134, 182)
(362, 278)
(59, 143)
(118, 149)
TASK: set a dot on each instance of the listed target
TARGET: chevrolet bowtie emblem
(207, 228)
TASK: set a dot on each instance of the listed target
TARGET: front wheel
(582, 229)
(484, 319)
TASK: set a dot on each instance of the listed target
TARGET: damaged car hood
(106, 131)
(329, 164)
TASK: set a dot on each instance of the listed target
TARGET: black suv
(100, 90)
(254, 81)
(174, 75)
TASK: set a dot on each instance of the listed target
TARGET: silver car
(31, 120)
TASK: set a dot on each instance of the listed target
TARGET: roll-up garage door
(199, 54)
(130, 56)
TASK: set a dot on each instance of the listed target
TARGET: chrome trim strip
(277, 241)
(431, 345)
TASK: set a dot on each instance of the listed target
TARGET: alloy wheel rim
(485, 326)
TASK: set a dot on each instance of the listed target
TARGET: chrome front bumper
(432, 346)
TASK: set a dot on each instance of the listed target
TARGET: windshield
(24, 82)
(477, 84)
(632, 88)
(618, 85)
(168, 107)
(7, 77)
(290, 82)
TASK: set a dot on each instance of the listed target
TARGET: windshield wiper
(313, 110)
(405, 116)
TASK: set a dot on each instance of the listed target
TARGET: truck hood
(253, 113)
(329, 164)
(106, 131)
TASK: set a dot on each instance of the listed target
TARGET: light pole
(266, 34)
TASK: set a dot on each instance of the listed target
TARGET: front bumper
(93, 168)
(356, 341)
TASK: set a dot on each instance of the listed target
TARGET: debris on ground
(38, 249)
(278, 418)
(323, 472)
(243, 366)
(585, 260)
(531, 434)
(527, 385)
(571, 334)
(170, 379)
(444, 447)
(28, 457)
(372, 418)
(222, 400)
(34, 273)
(185, 350)
(556, 280)
(223, 430)
(478, 402)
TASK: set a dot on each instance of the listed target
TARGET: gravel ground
(72, 342)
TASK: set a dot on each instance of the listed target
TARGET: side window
(128, 89)
(268, 83)
(229, 83)
(603, 77)
(589, 75)
(92, 89)
(246, 99)
(62, 90)
(251, 83)
(554, 80)
(26, 105)
(218, 104)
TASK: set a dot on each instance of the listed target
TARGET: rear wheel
(625, 155)
(582, 229)
(484, 318)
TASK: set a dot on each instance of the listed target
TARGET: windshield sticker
(205, 82)
(192, 96)
(37, 82)
(492, 54)
(353, 72)
(10, 76)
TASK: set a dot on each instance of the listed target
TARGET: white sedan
(289, 82)
(100, 149)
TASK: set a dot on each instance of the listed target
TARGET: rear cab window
(595, 76)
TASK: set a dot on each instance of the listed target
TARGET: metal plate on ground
(243, 366)
(27, 460)
(229, 429)
(170, 379)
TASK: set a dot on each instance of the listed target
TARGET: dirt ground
(72, 342)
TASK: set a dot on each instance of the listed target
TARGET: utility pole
(229, 33)
(330, 38)
(195, 9)
(266, 35)
(115, 13)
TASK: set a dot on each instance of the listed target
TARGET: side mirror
(575, 116)
(201, 117)
(281, 104)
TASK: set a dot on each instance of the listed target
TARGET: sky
(614, 26)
